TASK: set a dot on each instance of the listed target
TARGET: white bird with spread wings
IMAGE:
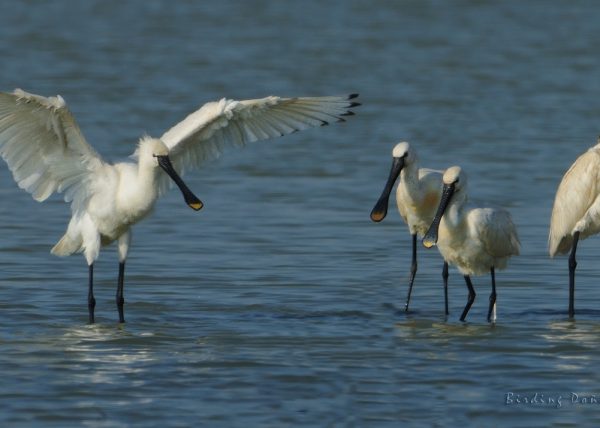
(47, 153)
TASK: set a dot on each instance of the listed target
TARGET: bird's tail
(66, 246)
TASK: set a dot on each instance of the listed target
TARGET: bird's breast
(135, 207)
(136, 195)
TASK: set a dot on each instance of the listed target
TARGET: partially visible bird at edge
(576, 211)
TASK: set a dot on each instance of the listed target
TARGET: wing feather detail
(497, 231)
(43, 147)
(207, 132)
(576, 195)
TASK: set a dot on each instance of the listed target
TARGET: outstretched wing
(576, 194)
(43, 146)
(204, 134)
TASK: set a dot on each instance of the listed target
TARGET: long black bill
(190, 198)
(380, 209)
(431, 237)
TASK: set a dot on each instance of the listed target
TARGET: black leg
(471, 298)
(572, 266)
(120, 300)
(413, 270)
(91, 300)
(445, 277)
(492, 296)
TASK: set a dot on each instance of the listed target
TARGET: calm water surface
(279, 304)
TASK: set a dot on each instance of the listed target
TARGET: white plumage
(475, 240)
(576, 211)
(417, 197)
(206, 132)
(47, 153)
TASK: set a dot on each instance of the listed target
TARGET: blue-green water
(279, 304)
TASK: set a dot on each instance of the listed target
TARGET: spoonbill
(576, 211)
(475, 240)
(47, 153)
(417, 196)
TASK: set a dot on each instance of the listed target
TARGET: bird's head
(404, 151)
(149, 149)
(155, 153)
(455, 177)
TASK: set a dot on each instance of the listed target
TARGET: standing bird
(475, 240)
(576, 211)
(46, 153)
(417, 196)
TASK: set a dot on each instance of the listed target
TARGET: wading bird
(46, 153)
(475, 240)
(417, 196)
(576, 211)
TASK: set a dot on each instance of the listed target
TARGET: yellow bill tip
(377, 216)
(428, 243)
(196, 205)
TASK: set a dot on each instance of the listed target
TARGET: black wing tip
(349, 106)
(324, 123)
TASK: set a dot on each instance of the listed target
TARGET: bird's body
(120, 195)
(577, 203)
(475, 240)
(576, 211)
(417, 197)
(47, 153)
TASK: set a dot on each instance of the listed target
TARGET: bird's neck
(409, 179)
(147, 174)
(455, 213)
(137, 191)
